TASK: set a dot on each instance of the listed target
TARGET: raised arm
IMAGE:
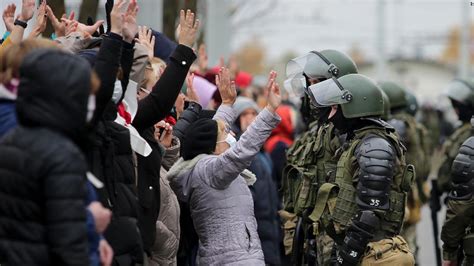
(27, 11)
(157, 105)
(108, 61)
(223, 169)
(228, 94)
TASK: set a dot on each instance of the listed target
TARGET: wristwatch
(20, 23)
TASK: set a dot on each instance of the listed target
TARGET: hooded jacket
(220, 201)
(42, 171)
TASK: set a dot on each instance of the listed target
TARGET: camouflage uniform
(457, 228)
(310, 161)
(363, 209)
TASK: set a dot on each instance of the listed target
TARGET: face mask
(229, 140)
(118, 91)
(339, 121)
(90, 108)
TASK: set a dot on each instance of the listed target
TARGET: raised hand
(273, 89)
(81, 27)
(71, 26)
(40, 24)
(146, 39)
(188, 28)
(27, 10)
(117, 16)
(190, 90)
(59, 26)
(9, 17)
(226, 86)
(130, 26)
(203, 60)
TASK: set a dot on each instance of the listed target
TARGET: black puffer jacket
(151, 110)
(109, 154)
(42, 171)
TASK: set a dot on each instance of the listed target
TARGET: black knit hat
(201, 138)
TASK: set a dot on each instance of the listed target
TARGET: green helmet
(386, 106)
(412, 103)
(316, 65)
(357, 94)
(396, 94)
(461, 90)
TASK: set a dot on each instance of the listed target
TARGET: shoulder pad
(376, 158)
(463, 171)
(401, 128)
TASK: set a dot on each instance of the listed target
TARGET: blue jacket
(7, 116)
(92, 234)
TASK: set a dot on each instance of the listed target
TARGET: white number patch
(353, 254)
(374, 202)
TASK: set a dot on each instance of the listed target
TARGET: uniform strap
(321, 200)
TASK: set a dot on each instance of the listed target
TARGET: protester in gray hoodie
(209, 178)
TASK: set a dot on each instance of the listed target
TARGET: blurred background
(422, 44)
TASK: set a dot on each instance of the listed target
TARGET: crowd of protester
(118, 147)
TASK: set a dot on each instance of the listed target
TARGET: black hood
(54, 91)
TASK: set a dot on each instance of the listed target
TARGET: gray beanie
(243, 103)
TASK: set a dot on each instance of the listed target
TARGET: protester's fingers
(152, 43)
(197, 24)
(189, 18)
(181, 17)
(72, 15)
(50, 14)
(148, 34)
(97, 24)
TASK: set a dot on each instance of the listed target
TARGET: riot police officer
(310, 160)
(363, 209)
(457, 228)
(461, 94)
(413, 135)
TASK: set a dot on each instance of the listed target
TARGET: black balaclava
(322, 114)
(463, 111)
(346, 125)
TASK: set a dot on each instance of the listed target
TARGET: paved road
(426, 253)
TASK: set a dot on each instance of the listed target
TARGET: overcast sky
(412, 26)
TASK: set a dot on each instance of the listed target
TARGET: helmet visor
(310, 64)
(458, 91)
(295, 86)
(328, 93)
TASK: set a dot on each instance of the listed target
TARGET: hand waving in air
(188, 28)
(273, 89)
(226, 86)
(9, 17)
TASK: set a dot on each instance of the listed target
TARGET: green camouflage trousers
(324, 246)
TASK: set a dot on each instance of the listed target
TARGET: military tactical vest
(450, 149)
(417, 146)
(336, 202)
(311, 163)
